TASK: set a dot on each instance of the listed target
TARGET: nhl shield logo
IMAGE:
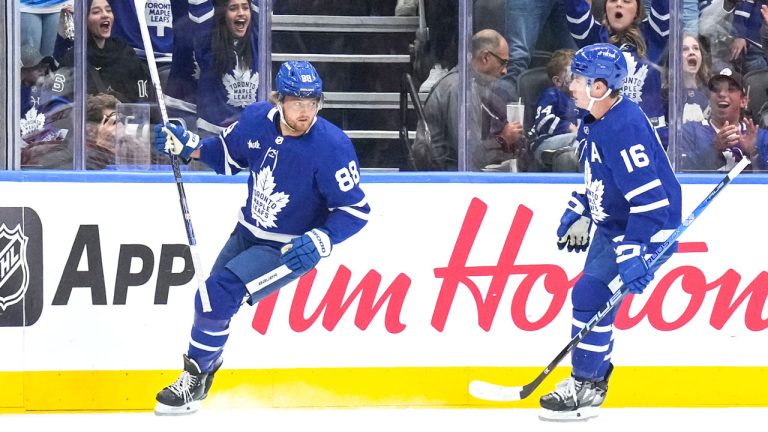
(14, 269)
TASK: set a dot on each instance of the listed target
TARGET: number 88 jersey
(629, 181)
(295, 183)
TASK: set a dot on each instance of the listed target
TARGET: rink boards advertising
(454, 278)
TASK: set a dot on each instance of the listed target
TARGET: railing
(410, 97)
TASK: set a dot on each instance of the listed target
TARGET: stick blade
(494, 392)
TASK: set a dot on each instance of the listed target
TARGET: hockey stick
(150, 52)
(494, 392)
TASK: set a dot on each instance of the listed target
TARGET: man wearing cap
(720, 142)
(34, 68)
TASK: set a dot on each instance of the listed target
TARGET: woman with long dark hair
(226, 50)
(112, 65)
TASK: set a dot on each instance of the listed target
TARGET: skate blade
(167, 410)
(581, 414)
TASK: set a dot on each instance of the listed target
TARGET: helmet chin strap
(592, 100)
(282, 117)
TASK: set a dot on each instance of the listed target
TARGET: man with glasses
(304, 197)
(492, 139)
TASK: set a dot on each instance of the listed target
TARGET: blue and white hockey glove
(174, 139)
(305, 252)
(575, 225)
(633, 269)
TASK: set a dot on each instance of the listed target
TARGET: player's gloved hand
(305, 252)
(633, 269)
(575, 225)
(174, 139)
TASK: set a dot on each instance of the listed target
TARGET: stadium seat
(530, 85)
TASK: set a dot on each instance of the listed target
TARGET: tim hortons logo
(14, 270)
(456, 275)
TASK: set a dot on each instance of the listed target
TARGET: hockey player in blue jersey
(303, 191)
(633, 199)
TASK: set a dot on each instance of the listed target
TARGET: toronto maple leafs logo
(32, 122)
(636, 74)
(266, 203)
(241, 87)
(595, 190)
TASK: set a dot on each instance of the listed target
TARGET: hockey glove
(305, 252)
(174, 139)
(633, 269)
(575, 225)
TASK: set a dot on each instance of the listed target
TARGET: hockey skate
(601, 387)
(185, 394)
(572, 399)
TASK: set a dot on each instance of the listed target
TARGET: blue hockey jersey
(631, 187)
(295, 183)
(181, 87)
(643, 82)
(159, 22)
(747, 20)
(221, 98)
(555, 113)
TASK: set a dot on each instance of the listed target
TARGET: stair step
(345, 24)
(360, 100)
(377, 134)
(343, 58)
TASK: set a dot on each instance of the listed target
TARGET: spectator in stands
(39, 22)
(643, 39)
(492, 139)
(226, 49)
(719, 143)
(181, 86)
(695, 74)
(764, 30)
(112, 65)
(159, 24)
(555, 123)
(715, 26)
(690, 16)
(525, 21)
(99, 139)
(34, 70)
(52, 118)
(746, 53)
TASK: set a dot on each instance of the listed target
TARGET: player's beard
(292, 126)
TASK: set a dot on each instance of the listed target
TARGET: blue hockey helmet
(298, 78)
(601, 61)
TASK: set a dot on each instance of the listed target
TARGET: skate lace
(183, 385)
(567, 390)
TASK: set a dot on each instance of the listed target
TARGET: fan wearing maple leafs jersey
(159, 23)
(641, 36)
(634, 200)
(226, 49)
(304, 197)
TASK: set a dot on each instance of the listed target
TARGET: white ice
(217, 419)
